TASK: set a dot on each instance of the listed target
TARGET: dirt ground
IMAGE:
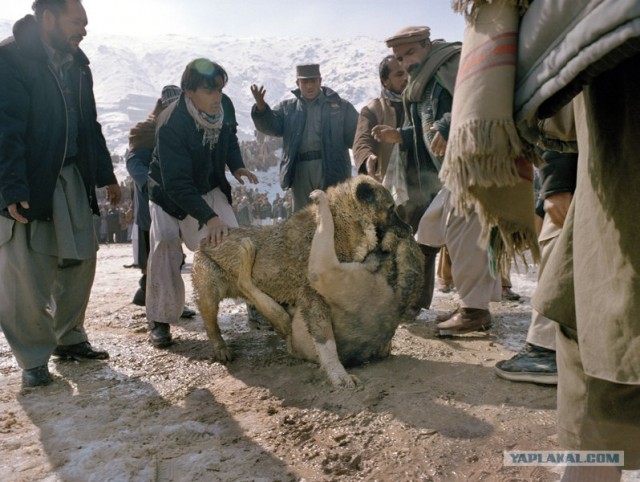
(432, 411)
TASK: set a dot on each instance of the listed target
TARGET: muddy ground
(432, 411)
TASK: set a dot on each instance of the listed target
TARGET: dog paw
(222, 354)
(344, 381)
(318, 196)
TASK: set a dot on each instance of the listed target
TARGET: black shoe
(187, 313)
(79, 352)
(36, 377)
(160, 334)
(532, 364)
(140, 298)
(509, 295)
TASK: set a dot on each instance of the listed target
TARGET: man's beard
(60, 42)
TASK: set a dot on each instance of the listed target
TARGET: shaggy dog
(334, 280)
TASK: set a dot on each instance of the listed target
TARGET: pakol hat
(308, 71)
(169, 94)
(408, 35)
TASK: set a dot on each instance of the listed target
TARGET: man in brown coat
(370, 156)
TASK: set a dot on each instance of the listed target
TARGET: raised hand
(258, 95)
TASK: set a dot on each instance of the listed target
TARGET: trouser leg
(165, 294)
(469, 264)
(307, 178)
(71, 292)
(25, 295)
(429, 275)
(542, 330)
(443, 273)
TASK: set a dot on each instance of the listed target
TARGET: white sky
(262, 18)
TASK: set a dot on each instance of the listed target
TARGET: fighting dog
(356, 233)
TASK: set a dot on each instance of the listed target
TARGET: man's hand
(113, 194)
(438, 145)
(386, 134)
(258, 95)
(372, 166)
(13, 211)
(243, 172)
(556, 206)
(218, 229)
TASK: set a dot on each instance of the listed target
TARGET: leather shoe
(79, 351)
(465, 320)
(187, 313)
(160, 334)
(36, 377)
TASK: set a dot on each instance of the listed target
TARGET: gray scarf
(210, 125)
(390, 95)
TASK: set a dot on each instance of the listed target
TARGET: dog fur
(355, 234)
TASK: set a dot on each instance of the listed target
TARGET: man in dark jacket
(52, 156)
(190, 195)
(317, 128)
(142, 140)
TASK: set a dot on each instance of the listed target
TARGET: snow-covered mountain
(129, 72)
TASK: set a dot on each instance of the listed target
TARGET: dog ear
(365, 193)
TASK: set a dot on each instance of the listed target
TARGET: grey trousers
(41, 305)
(308, 177)
(469, 262)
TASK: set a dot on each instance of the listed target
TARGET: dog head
(363, 211)
(381, 206)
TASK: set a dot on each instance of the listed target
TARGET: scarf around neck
(390, 95)
(209, 124)
(440, 53)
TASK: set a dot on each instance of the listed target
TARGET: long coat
(591, 282)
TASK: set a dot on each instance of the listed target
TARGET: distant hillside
(129, 73)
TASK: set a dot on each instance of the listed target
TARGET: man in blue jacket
(317, 128)
(52, 156)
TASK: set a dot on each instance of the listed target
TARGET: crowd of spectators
(252, 207)
(261, 153)
(115, 223)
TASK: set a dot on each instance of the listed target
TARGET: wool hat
(408, 35)
(169, 94)
(308, 71)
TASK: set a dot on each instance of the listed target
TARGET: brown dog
(269, 266)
